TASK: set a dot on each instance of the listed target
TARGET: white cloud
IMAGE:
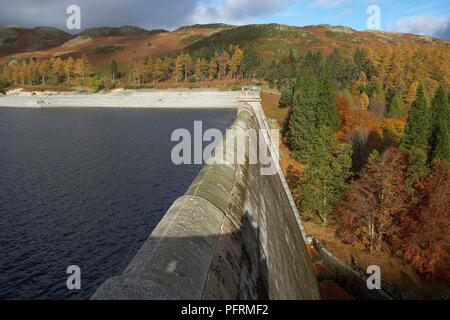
(236, 11)
(424, 24)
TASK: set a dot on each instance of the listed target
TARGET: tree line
(229, 64)
(53, 71)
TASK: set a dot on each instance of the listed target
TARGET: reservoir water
(85, 187)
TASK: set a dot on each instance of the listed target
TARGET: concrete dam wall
(235, 234)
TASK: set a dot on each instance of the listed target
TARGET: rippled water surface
(84, 187)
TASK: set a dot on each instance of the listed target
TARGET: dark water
(84, 187)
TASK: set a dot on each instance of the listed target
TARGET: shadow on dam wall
(235, 234)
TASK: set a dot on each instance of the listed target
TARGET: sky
(410, 16)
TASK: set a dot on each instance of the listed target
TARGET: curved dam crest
(235, 234)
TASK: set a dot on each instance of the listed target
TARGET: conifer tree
(440, 139)
(287, 94)
(395, 107)
(417, 131)
(325, 175)
(416, 138)
(114, 69)
(327, 113)
(302, 123)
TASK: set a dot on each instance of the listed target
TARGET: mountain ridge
(125, 43)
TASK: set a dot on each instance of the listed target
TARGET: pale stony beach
(204, 98)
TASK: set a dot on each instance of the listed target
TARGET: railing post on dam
(235, 234)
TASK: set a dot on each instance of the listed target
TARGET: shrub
(96, 83)
(107, 49)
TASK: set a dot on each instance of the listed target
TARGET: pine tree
(440, 139)
(395, 107)
(302, 124)
(418, 167)
(287, 94)
(416, 138)
(417, 131)
(114, 69)
(327, 113)
(325, 175)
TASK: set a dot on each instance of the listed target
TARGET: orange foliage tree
(375, 202)
(424, 238)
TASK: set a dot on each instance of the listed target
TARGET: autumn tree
(167, 63)
(423, 233)
(213, 66)
(377, 102)
(159, 70)
(57, 69)
(201, 69)
(223, 62)
(44, 70)
(69, 66)
(235, 61)
(375, 201)
(82, 67)
(364, 101)
(183, 67)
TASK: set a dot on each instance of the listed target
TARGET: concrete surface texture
(235, 234)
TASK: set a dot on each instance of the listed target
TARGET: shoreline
(144, 98)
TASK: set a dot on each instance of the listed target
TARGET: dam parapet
(235, 233)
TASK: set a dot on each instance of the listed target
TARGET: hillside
(126, 43)
(275, 40)
(118, 32)
(16, 39)
(123, 44)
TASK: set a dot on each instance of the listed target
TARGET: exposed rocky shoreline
(204, 98)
